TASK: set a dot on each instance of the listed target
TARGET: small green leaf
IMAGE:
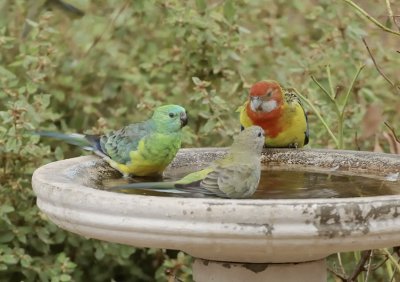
(229, 10)
(43, 234)
(6, 73)
(209, 126)
(32, 23)
(9, 259)
(22, 238)
(388, 22)
(126, 252)
(201, 5)
(31, 87)
(196, 80)
(65, 277)
(6, 237)
(99, 253)
(58, 153)
(6, 209)
(26, 261)
(234, 56)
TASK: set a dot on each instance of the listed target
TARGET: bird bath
(232, 240)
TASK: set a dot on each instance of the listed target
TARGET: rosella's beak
(255, 103)
(184, 119)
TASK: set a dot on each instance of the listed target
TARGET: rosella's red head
(265, 96)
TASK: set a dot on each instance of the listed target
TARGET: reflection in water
(289, 184)
(305, 184)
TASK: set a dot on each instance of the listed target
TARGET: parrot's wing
(118, 144)
(293, 100)
(291, 97)
(307, 132)
(239, 109)
(230, 181)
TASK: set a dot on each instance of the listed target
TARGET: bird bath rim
(284, 230)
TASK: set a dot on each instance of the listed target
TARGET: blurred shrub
(112, 66)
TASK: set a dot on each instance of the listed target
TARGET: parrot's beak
(184, 119)
(255, 103)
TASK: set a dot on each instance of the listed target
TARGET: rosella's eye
(259, 134)
(269, 94)
(171, 115)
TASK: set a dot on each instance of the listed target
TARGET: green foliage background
(112, 66)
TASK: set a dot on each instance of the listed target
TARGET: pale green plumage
(141, 149)
(235, 176)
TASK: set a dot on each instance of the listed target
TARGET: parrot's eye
(171, 115)
(259, 134)
(269, 94)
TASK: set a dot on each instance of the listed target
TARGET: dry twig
(370, 18)
(338, 275)
(111, 23)
(390, 12)
(393, 132)
(360, 266)
(378, 68)
(356, 141)
(369, 265)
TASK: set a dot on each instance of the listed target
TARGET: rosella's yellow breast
(292, 126)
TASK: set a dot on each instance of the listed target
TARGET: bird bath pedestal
(232, 240)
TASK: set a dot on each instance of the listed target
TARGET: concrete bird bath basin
(233, 240)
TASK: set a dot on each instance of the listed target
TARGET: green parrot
(235, 176)
(139, 149)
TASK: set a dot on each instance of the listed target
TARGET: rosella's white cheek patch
(255, 103)
(269, 106)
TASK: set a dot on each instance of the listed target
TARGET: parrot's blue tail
(151, 186)
(73, 138)
(166, 187)
(86, 142)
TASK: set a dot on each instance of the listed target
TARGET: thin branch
(370, 18)
(340, 276)
(393, 276)
(375, 267)
(393, 132)
(318, 115)
(356, 142)
(327, 94)
(392, 259)
(328, 72)
(369, 265)
(377, 67)
(351, 87)
(339, 88)
(342, 112)
(111, 23)
(360, 265)
(339, 257)
(390, 12)
(322, 88)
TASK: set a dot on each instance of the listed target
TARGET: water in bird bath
(280, 183)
